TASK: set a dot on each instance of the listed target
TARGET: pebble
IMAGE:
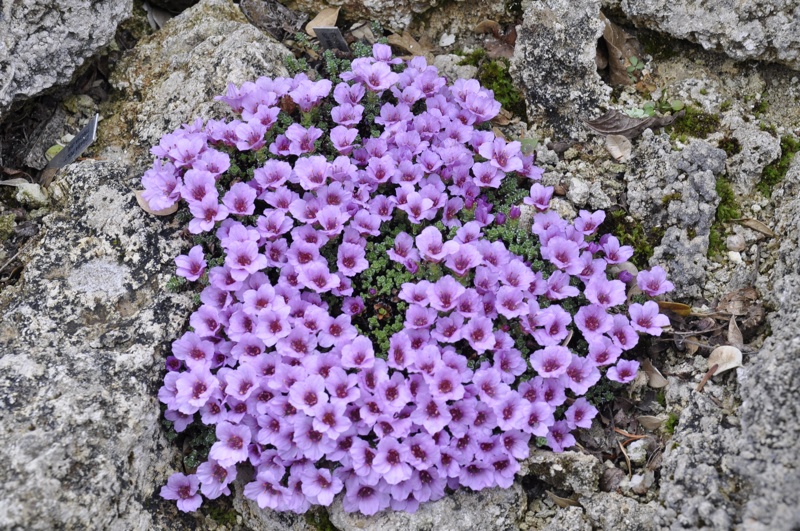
(735, 242)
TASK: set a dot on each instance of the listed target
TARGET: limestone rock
(765, 30)
(769, 411)
(83, 340)
(172, 76)
(758, 149)
(42, 43)
(613, 512)
(495, 509)
(554, 63)
(573, 471)
(676, 192)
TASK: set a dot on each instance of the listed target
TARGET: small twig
(9, 261)
(627, 460)
(706, 378)
(629, 435)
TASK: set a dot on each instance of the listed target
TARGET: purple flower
(602, 351)
(645, 318)
(391, 461)
(320, 486)
(240, 199)
(162, 186)
(358, 354)
(622, 333)
(654, 282)
(444, 294)
(592, 321)
(351, 259)
(551, 361)
(581, 375)
(476, 475)
(539, 197)
(580, 414)
(559, 436)
(605, 293)
(206, 213)
(309, 395)
(193, 266)
(184, 489)
(478, 332)
(623, 372)
(430, 244)
(231, 445)
(266, 489)
(366, 499)
(616, 253)
(215, 478)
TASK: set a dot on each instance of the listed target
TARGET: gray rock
(495, 509)
(83, 340)
(42, 43)
(554, 63)
(448, 66)
(765, 30)
(172, 76)
(573, 471)
(637, 452)
(613, 512)
(32, 195)
(578, 192)
(676, 192)
(770, 410)
(571, 518)
(758, 149)
(698, 485)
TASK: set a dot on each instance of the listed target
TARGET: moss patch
(6, 226)
(730, 146)
(775, 172)
(671, 423)
(633, 233)
(494, 75)
(318, 519)
(695, 123)
(727, 210)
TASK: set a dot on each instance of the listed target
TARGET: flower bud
(514, 213)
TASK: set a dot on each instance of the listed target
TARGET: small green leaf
(676, 105)
(528, 145)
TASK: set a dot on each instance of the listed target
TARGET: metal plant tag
(78, 145)
(331, 38)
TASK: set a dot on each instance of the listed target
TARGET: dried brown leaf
(503, 118)
(408, 43)
(651, 423)
(619, 147)
(562, 502)
(738, 302)
(146, 207)
(692, 345)
(725, 358)
(617, 123)
(324, 19)
(497, 49)
(489, 26)
(621, 47)
(654, 378)
(756, 225)
(14, 182)
(683, 310)
(735, 337)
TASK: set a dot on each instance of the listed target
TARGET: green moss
(674, 196)
(494, 75)
(730, 145)
(633, 233)
(318, 519)
(221, 510)
(658, 45)
(760, 106)
(661, 398)
(7, 225)
(694, 123)
(671, 423)
(775, 172)
(727, 210)
(725, 106)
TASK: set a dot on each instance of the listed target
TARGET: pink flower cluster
(289, 382)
